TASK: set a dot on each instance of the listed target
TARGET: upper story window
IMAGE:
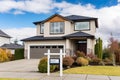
(41, 28)
(57, 27)
(82, 25)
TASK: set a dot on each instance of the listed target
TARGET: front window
(82, 26)
(41, 28)
(57, 27)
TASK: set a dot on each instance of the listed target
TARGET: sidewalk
(55, 76)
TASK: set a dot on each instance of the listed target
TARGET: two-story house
(4, 38)
(70, 33)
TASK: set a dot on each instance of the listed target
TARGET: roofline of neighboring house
(90, 18)
(12, 46)
(3, 34)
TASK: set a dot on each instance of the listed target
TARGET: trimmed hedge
(19, 54)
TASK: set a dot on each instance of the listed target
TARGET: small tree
(98, 48)
(113, 47)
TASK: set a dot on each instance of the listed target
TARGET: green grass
(98, 70)
(15, 79)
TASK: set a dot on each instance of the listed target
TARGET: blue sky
(16, 16)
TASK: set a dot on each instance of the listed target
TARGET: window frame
(41, 28)
(82, 29)
(57, 32)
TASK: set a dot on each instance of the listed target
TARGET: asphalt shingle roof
(73, 35)
(79, 34)
(12, 46)
(77, 17)
(2, 34)
(40, 38)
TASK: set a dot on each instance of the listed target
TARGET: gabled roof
(2, 34)
(79, 34)
(12, 46)
(51, 18)
(71, 18)
(40, 38)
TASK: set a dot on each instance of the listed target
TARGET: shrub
(68, 61)
(91, 55)
(42, 66)
(95, 61)
(108, 61)
(80, 54)
(3, 55)
(19, 54)
(74, 58)
(106, 53)
(82, 61)
(9, 54)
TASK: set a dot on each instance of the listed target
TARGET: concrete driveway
(23, 65)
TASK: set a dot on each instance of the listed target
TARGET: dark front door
(82, 46)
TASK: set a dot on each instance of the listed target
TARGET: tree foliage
(98, 48)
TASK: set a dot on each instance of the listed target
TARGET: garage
(37, 52)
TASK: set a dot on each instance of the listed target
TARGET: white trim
(54, 54)
(28, 54)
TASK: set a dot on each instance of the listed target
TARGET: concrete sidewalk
(55, 76)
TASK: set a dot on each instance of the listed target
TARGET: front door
(82, 46)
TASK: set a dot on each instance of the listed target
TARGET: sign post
(48, 65)
(55, 61)
(61, 67)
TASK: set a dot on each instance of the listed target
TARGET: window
(82, 26)
(54, 46)
(60, 46)
(41, 28)
(47, 46)
(57, 27)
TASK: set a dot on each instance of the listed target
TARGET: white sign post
(48, 64)
(61, 62)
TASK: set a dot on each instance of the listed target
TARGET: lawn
(98, 70)
(15, 79)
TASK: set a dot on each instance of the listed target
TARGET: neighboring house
(12, 47)
(4, 38)
(70, 33)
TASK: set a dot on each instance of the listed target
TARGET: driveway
(23, 65)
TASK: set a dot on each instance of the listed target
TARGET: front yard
(98, 70)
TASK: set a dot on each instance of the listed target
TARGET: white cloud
(20, 33)
(18, 12)
(118, 0)
(34, 6)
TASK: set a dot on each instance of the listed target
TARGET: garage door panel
(37, 52)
